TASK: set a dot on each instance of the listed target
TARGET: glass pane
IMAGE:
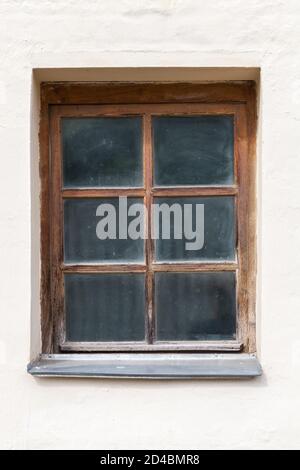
(105, 307)
(103, 151)
(201, 306)
(204, 226)
(88, 221)
(194, 150)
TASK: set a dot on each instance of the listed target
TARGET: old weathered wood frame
(60, 99)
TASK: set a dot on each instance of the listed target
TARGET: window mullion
(148, 183)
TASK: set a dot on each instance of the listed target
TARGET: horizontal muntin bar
(155, 191)
(156, 267)
(103, 192)
(194, 191)
(103, 268)
(193, 267)
(183, 107)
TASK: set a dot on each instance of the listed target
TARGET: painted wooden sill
(147, 366)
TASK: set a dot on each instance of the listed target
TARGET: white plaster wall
(34, 34)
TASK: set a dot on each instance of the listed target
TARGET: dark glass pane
(103, 151)
(193, 150)
(217, 233)
(81, 233)
(105, 307)
(195, 306)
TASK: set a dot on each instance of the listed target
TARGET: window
(148, 220)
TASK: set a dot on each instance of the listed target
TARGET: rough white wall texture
(263, 413)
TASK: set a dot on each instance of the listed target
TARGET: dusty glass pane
(105, 307)
(206, 225)
(102, 152)
(82, 231)
(194, 150)
(195, 306)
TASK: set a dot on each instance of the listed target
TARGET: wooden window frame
(146, 99)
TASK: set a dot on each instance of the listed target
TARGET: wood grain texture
(56, 233)
(128, 93)
(102, 192)
(158, 109)
(241, 157)
(195, 191)
(228, 346)
(251, 116)
(76, 99)
(103, 268)
(194, 267)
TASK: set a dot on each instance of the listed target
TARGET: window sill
(147, 366)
